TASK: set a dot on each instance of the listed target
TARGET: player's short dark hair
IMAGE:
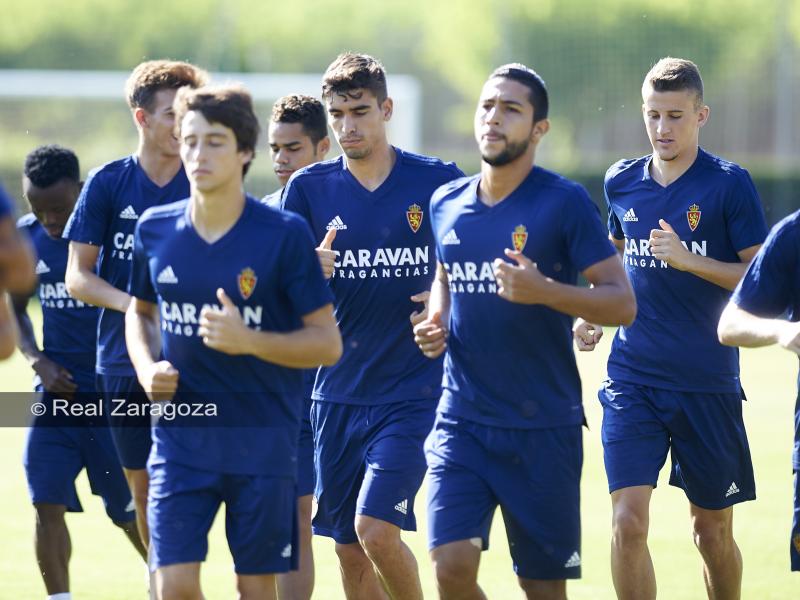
(351, 71)
(531, 80)
(676, 75)
(49, 164)
(152, 76)
(308, 111)
(228, 105)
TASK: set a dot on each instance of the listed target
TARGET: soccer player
(687, 223)
(373, 409)
(58, 448)
(510, 243)
(114, 197)
(231, 335)
(764, 310)
(298, 137)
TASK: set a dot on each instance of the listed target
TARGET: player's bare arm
(55, 378)
(16, 259)
(666, 245)
(318, 342)
(143, 337)
(609, 301)
(84, 284)
(8, 330)
(431, 333)
(738, 327)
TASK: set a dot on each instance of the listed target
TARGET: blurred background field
(104, 567)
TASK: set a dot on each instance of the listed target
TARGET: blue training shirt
(715, 210)
(6, 203)
(112, 200)
(771, 288)
(512, 365)
(66, 321)
(386, 254)
(267, 265)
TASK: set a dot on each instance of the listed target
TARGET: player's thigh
(460, 503)
(635, 440)
(105, 474)
(539, 495)
(395, 461)
(178, 581)
(339, 458)
(52, 460)
(710, 453)
(261, 523)
(126, 407)
(181, 507)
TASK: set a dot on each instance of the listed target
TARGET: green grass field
(104, 567)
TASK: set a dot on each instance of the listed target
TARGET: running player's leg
(53, 546)
(712, 464)
(395, 464)
(794, 544)
(179, 582)
(299, 584)
(635, 446)
(339, 466)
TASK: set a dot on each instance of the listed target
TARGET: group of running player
(285, 323)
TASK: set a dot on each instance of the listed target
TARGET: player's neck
(497, 183)
(215, 212)
(373, 170)
(664, 172)
(160, 168)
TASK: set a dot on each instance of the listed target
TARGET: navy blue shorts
(54, 456)
(305, 453)
(369, 461)
(704, 433)
(260, 517)
(131, 432)
(532, 474)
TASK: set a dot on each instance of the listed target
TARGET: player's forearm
(304, 348)
(88, 287)
(439, 301)
(142, 337)
(8, 329)
(27, 339)
(17, 266)
(724, 274)
(604, 304)
(738, 327)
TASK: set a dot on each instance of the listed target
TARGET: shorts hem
(159, 564)
(626, 484)
(405, 526)
(732, 501)
(441, 541)
(549, 576)
(337, 536)
(49, 500)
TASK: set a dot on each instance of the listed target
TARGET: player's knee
(540, 589)
(174, 587)
(629, 527)
(378, 538)
(712, 535)
(454, 571)
(49, 516)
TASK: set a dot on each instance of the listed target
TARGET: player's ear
(246, 156)
(540, 128)
(323, 147)
(702, 115)
(387, 106)
(140, 117)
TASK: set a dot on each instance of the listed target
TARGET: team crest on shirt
(519, 237)
(247, 282)
(414, 217)
(693, 216)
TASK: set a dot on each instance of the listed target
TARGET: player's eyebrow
(506, 101)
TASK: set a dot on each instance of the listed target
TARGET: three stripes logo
(574, 561)
(732, 490)
(450, 238)
(336, 223)
(402, 506)
(167, 275)
(630, 216)
(128, 213)
(42, 268)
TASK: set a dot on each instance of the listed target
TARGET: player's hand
(586, 335)
(160, 381)
(223, 329)
(790, 337)
(418, 316)
(325, 254)
(522, 283)
(55, 378)
(666, 245)
(431, 336)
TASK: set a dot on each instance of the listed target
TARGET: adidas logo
(732, 490)
(336, 223)
(287, 551)
(167, 276)
(128, 213)
(402, 507)
(42, 268)
(630, 216)
(131, 506)
(450, 238)
(574, 561)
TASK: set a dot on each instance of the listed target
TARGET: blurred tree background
(593, 55)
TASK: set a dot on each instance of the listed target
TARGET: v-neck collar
(223, 240)
(517, 192)
(648, 177)
(149, 183)
(383, 188)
